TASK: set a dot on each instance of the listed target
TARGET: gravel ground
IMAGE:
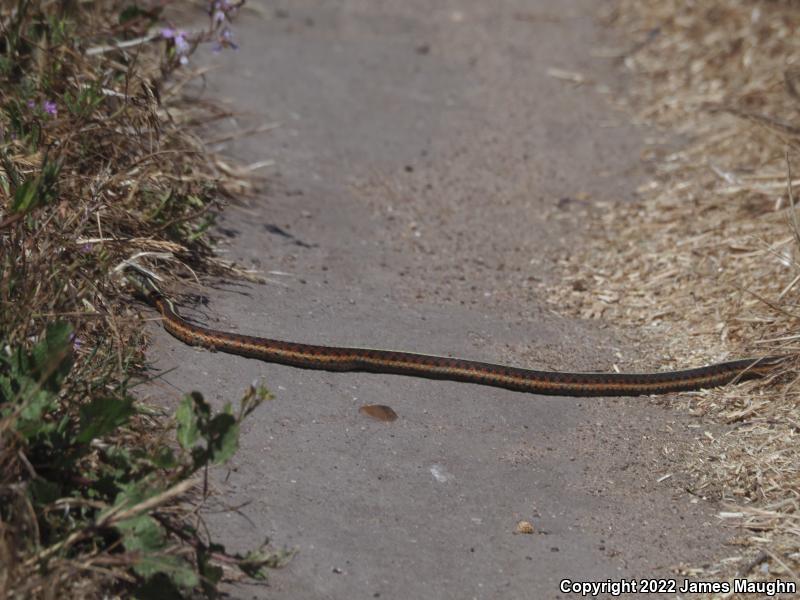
(426, 166)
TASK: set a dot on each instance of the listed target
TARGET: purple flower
(31, 104)
(76, 341)
(181, 45)
(178, 37)
(50, 108)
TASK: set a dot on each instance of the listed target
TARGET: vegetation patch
(99, 172)
(706, 260)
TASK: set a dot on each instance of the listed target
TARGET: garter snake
(554, 383)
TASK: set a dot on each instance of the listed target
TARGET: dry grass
(99, 168)
(707, 261)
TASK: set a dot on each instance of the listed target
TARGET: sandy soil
(421, 157)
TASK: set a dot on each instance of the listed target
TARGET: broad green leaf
(58, 336)
(212, 574)
(36, 401)
(163, 458)
(142, 533)
(133, 493)
(224, 437)
(201, 407)
(102, 416)
(43, 491)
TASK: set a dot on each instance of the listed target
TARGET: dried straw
(706, 261)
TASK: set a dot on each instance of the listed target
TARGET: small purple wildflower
(76, 341)
(178, 37)
(221, 13)
(47, 106)
(181, 45)
(86, 248)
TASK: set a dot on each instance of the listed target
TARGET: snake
(551, 383)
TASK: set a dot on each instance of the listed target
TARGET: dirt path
(420, 154)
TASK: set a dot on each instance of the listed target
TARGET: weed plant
(97, 173)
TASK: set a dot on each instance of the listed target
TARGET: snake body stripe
(554, 383)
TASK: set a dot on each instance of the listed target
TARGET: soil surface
(426, 165)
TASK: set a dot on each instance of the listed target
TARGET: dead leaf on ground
(381, 412)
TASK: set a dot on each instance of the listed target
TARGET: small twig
(769, 122)
(245, 132)
(8, 221)
(120, 513)
(748, 567)
(123, 45)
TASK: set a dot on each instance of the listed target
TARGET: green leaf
(223, 437)
(132, 11)
(143, 534)
(7, 392)
(201, 407)
(26, 196)
(38, 189)
(129, 13)
(256, 562)
(131, 494)
(158, 587)
(102, 416)
(43, 491)
(188, 426)
(52, 356)
(179, 571)
(211, 573)
(163, 458)
(36, 401)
